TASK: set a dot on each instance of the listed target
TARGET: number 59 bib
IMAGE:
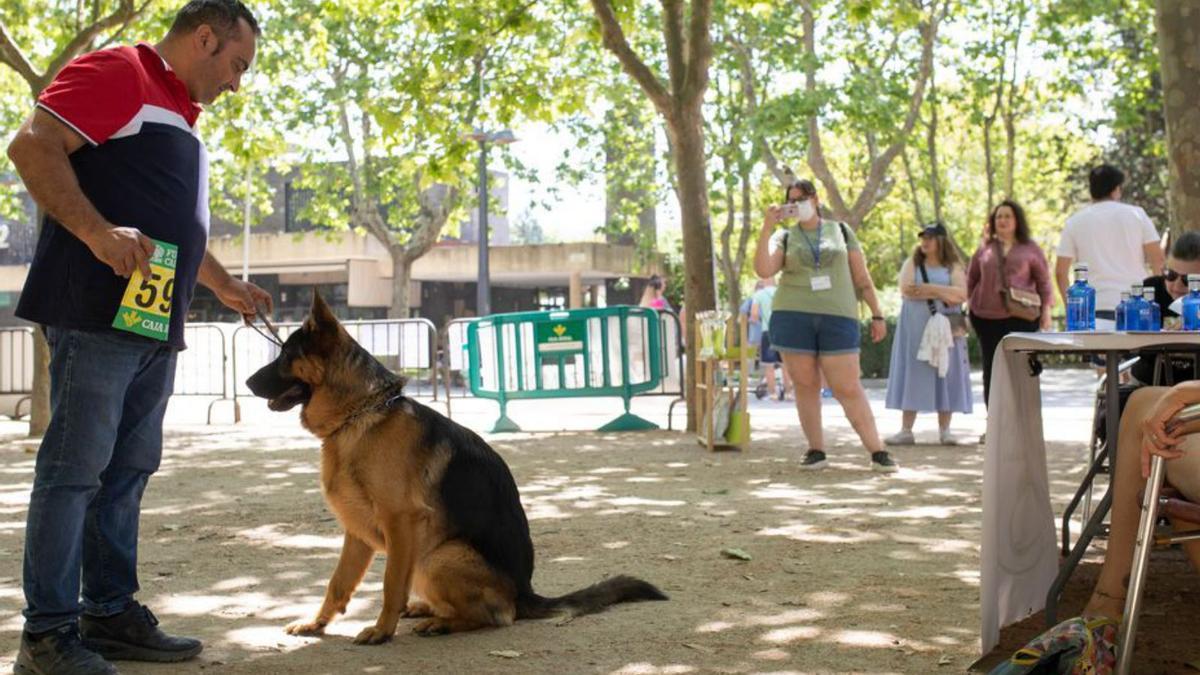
(146, 307)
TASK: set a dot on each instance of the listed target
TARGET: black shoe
(133, 635)
(59, 652)
(813, 460)
(883, 462)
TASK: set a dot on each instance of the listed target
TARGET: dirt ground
(849, 571)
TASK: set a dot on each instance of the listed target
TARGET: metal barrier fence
(454, 355)
(606, 351)
(16, 367)
(405, 346)
(220, 357)
(200, 370)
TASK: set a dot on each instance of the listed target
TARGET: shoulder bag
(1022, 304)
(958, 321)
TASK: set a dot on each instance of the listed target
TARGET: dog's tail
(594, 598)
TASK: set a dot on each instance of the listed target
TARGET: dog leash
(273, 335)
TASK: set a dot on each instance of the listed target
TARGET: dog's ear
(320, 316)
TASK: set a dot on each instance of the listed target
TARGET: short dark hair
(1187, 247)
(221, 15)
(1103, 179)
(1022, 232)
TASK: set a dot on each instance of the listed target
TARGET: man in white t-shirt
(1116, 240)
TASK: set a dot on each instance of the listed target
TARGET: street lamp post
(483, 290)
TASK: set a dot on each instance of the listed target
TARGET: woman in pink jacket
(1007, 240)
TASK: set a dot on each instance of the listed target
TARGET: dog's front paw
(373, 635)
(417, 610)
(310, 628)
(431, 627)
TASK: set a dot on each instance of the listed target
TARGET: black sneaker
(882, 462)
(133, 635)
(59, 652)
(813, 460)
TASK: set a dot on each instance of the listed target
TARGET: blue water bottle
(1191, 304)
(1122, 309)
(1081, 302)
(1151, 313)
(1134, 308)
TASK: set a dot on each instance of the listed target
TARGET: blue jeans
(108, 394)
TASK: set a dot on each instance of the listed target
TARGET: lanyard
(814, 247)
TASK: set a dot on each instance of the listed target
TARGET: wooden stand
(717, 374)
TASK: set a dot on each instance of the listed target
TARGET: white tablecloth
(1019, 553)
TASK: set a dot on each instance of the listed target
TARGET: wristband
(878, 318)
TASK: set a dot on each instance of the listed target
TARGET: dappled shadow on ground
(1166, 640)
(847, 570)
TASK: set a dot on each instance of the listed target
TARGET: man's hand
(124, 249)
(244, 298)
(1046, 322)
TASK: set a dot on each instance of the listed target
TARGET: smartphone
(791, 210)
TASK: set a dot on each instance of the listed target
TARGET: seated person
(1169, 286)
(1143, 433)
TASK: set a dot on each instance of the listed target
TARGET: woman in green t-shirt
(814, 322)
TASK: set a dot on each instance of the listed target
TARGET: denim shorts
(766, 353)
(805, 333)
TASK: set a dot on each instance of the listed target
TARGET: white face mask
(805, 210)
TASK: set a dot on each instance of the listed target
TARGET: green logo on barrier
(557, 337)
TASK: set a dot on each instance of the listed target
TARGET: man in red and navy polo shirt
(111, 156)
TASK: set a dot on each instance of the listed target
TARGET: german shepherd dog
(432, 495)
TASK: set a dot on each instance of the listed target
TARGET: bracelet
(878, 318)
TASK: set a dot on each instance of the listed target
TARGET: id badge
(146, 306)
(822, 283)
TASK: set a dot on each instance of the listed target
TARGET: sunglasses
(1171, 275)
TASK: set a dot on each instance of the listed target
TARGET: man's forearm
(1062, 279)
(213, 274)
(48, 176)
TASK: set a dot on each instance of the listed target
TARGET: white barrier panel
(16, 360)
(200, 370)
(403, 345)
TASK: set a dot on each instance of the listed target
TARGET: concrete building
(290, 257)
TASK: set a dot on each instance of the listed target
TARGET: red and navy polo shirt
(143, 166)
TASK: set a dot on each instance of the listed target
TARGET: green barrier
(603, 351)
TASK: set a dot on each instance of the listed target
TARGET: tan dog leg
(397, 580)
(352, 566)
(463, 592)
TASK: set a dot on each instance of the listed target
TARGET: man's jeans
(108, 394)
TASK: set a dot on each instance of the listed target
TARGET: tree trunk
(39, 406)
(401, 277)
(730, 268)
(1179, 53)
(691, 171)
(935, 182)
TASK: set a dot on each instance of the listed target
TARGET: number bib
(146, 307)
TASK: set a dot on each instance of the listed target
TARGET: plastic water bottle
(1191, 304)
(1122, 309)
(1149, 313)
(1133, 309)
(1081, 302)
